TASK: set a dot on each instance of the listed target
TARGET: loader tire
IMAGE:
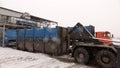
(81, 56)
(106, 59)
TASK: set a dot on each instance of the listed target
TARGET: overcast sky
(103, 14)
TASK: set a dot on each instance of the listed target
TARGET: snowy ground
(11, 58)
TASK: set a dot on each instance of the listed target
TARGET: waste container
(20, 39)
(38, 40)
(29, 40)
(50, 40)
(62, 34)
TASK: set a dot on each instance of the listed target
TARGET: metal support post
(3, 40)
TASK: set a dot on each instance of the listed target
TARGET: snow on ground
(12, 58)
(116, 41)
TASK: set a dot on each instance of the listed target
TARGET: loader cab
(104, 35)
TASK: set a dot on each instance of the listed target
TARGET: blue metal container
(21, 33)
(21, 38)
(28, 33)
(38, 33)
(11, 34)
(51, 40)
(29, 37)
(50, 32)
(38, 39)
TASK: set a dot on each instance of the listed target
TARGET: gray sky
(103, 14)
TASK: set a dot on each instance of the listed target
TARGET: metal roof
(33, 18)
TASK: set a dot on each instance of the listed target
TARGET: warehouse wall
(9, 12)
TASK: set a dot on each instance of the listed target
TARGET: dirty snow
(12, 58)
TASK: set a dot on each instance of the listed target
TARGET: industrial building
(14, 19)
(8, 17)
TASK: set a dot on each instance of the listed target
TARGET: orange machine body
(104, 35)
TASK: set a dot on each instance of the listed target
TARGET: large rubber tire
(106, 59)
(81, 56)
